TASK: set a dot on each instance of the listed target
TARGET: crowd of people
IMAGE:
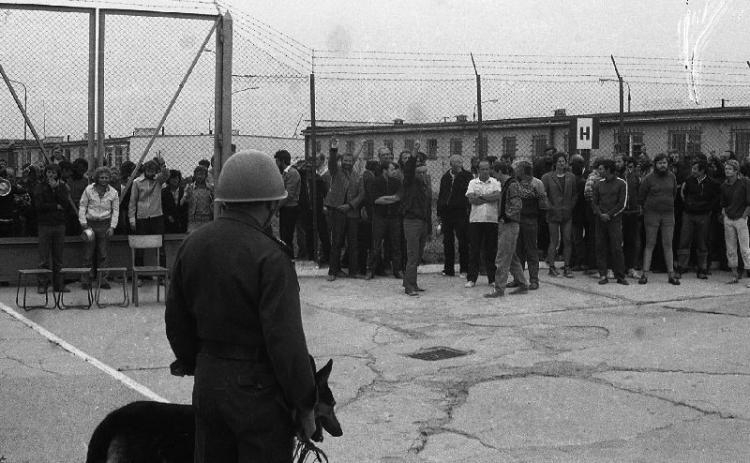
(619, 218)
(60, 198)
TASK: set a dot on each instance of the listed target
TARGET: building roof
(636, 117)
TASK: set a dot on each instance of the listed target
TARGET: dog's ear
(325, 372)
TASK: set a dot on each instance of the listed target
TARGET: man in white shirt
(483, 193)
(99, 211)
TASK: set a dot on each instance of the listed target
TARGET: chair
(147, 242)
(80, 272)
(101, 273)
(22, 276)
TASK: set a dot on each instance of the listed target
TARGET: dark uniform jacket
(232, 284)
(452, 201)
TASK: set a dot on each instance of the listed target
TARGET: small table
(23, 274)
(80, 272)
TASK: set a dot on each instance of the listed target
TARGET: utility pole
(480, 145)
(621, 134)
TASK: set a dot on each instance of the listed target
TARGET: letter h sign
(585, 133)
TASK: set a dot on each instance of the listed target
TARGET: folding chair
(101, 274)
(147, 242)
(23, 275)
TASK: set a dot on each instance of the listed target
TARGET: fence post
(621, 135)
(479, 144)
(222, 98)
(100, 91)
(314, 172)
(92, 92)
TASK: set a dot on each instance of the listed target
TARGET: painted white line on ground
(126, 380)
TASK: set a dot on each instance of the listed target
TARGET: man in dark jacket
(700, 196)
(608, 200)
(53, 203)
(560, 185)
(453, 213)
(386, 219)
(233, 320)
(632, 219)
(175, 215)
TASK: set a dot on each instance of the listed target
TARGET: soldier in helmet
(233, 320)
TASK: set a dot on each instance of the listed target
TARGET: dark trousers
(632, 225)
(95, 255)
(305, 237)
(287, 222)
(455, 226)
(609, 247)
(694, 232)
(579, 245)
(364, 244)
(590, 237)
(239, 413)
(558, 230)
(51, 245)
(415, 232)
(343, 228)
(385, 228)
(528, 250)
(150, 226)
(324, 235)
(482, 241)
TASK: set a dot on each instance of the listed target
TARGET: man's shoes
(421, 290)
(553, 271)
(470, 284)
(398, 274)
(495, 293)
(331, 278)
(446, 273)
(643, 279)
(513, 284)
(534, 285)
(632, 273)
(673, 280)
(568, 273)
(523, 289)
(64, 289)
(85, 285)
(411, 292)
(603, 280)
(105, 285)
(623, 281)
(368, 276)
(357, 276)
(702, 275)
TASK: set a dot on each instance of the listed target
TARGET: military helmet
(250, 176)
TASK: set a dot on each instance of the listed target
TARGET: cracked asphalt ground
(572, 372)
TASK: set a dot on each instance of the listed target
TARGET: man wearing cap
(233, 320)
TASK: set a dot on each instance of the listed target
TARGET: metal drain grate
(437, 353)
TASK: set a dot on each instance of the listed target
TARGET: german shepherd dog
(156, 432)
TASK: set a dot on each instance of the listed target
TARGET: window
(742, 143)
(457, 146)
(349, 147)
(409, 144)
(509, 147)
(483, 147)
(432, 148)
(633, 143)
(388, 143)
(538, 145)
(685, 142)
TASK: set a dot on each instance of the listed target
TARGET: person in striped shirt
(608, 199)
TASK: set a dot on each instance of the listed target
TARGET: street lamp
(24, 104)
(474, 114)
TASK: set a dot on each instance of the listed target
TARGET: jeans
(97, 247)
(528, 250)
(631, 234)
(652, 222)
(482, 237)
(385, 227)
(735, 232)
(343, 229)
(51, 245)
(240, 413)
(287, 222)
(415, 231)
(455, 226)
(507, 260)
(556, 230)
(609, 247)
(694, 231)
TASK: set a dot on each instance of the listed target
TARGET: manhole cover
(437, 353)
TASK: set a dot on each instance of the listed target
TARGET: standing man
(51, 201)
(608, 200)
(342, 202)
(580, 214)
(632, 219)
(386, 219)
(657, 195)
(289, 206)
(98, 211)
(700, 196)
(735, 208)
(533, 204)
(453, 213)
(233, 320)
(483, 193)
(509, 214)
(144, 209)
(175, 212)
(560, 186)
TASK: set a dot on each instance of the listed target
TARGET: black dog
(156, 432)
